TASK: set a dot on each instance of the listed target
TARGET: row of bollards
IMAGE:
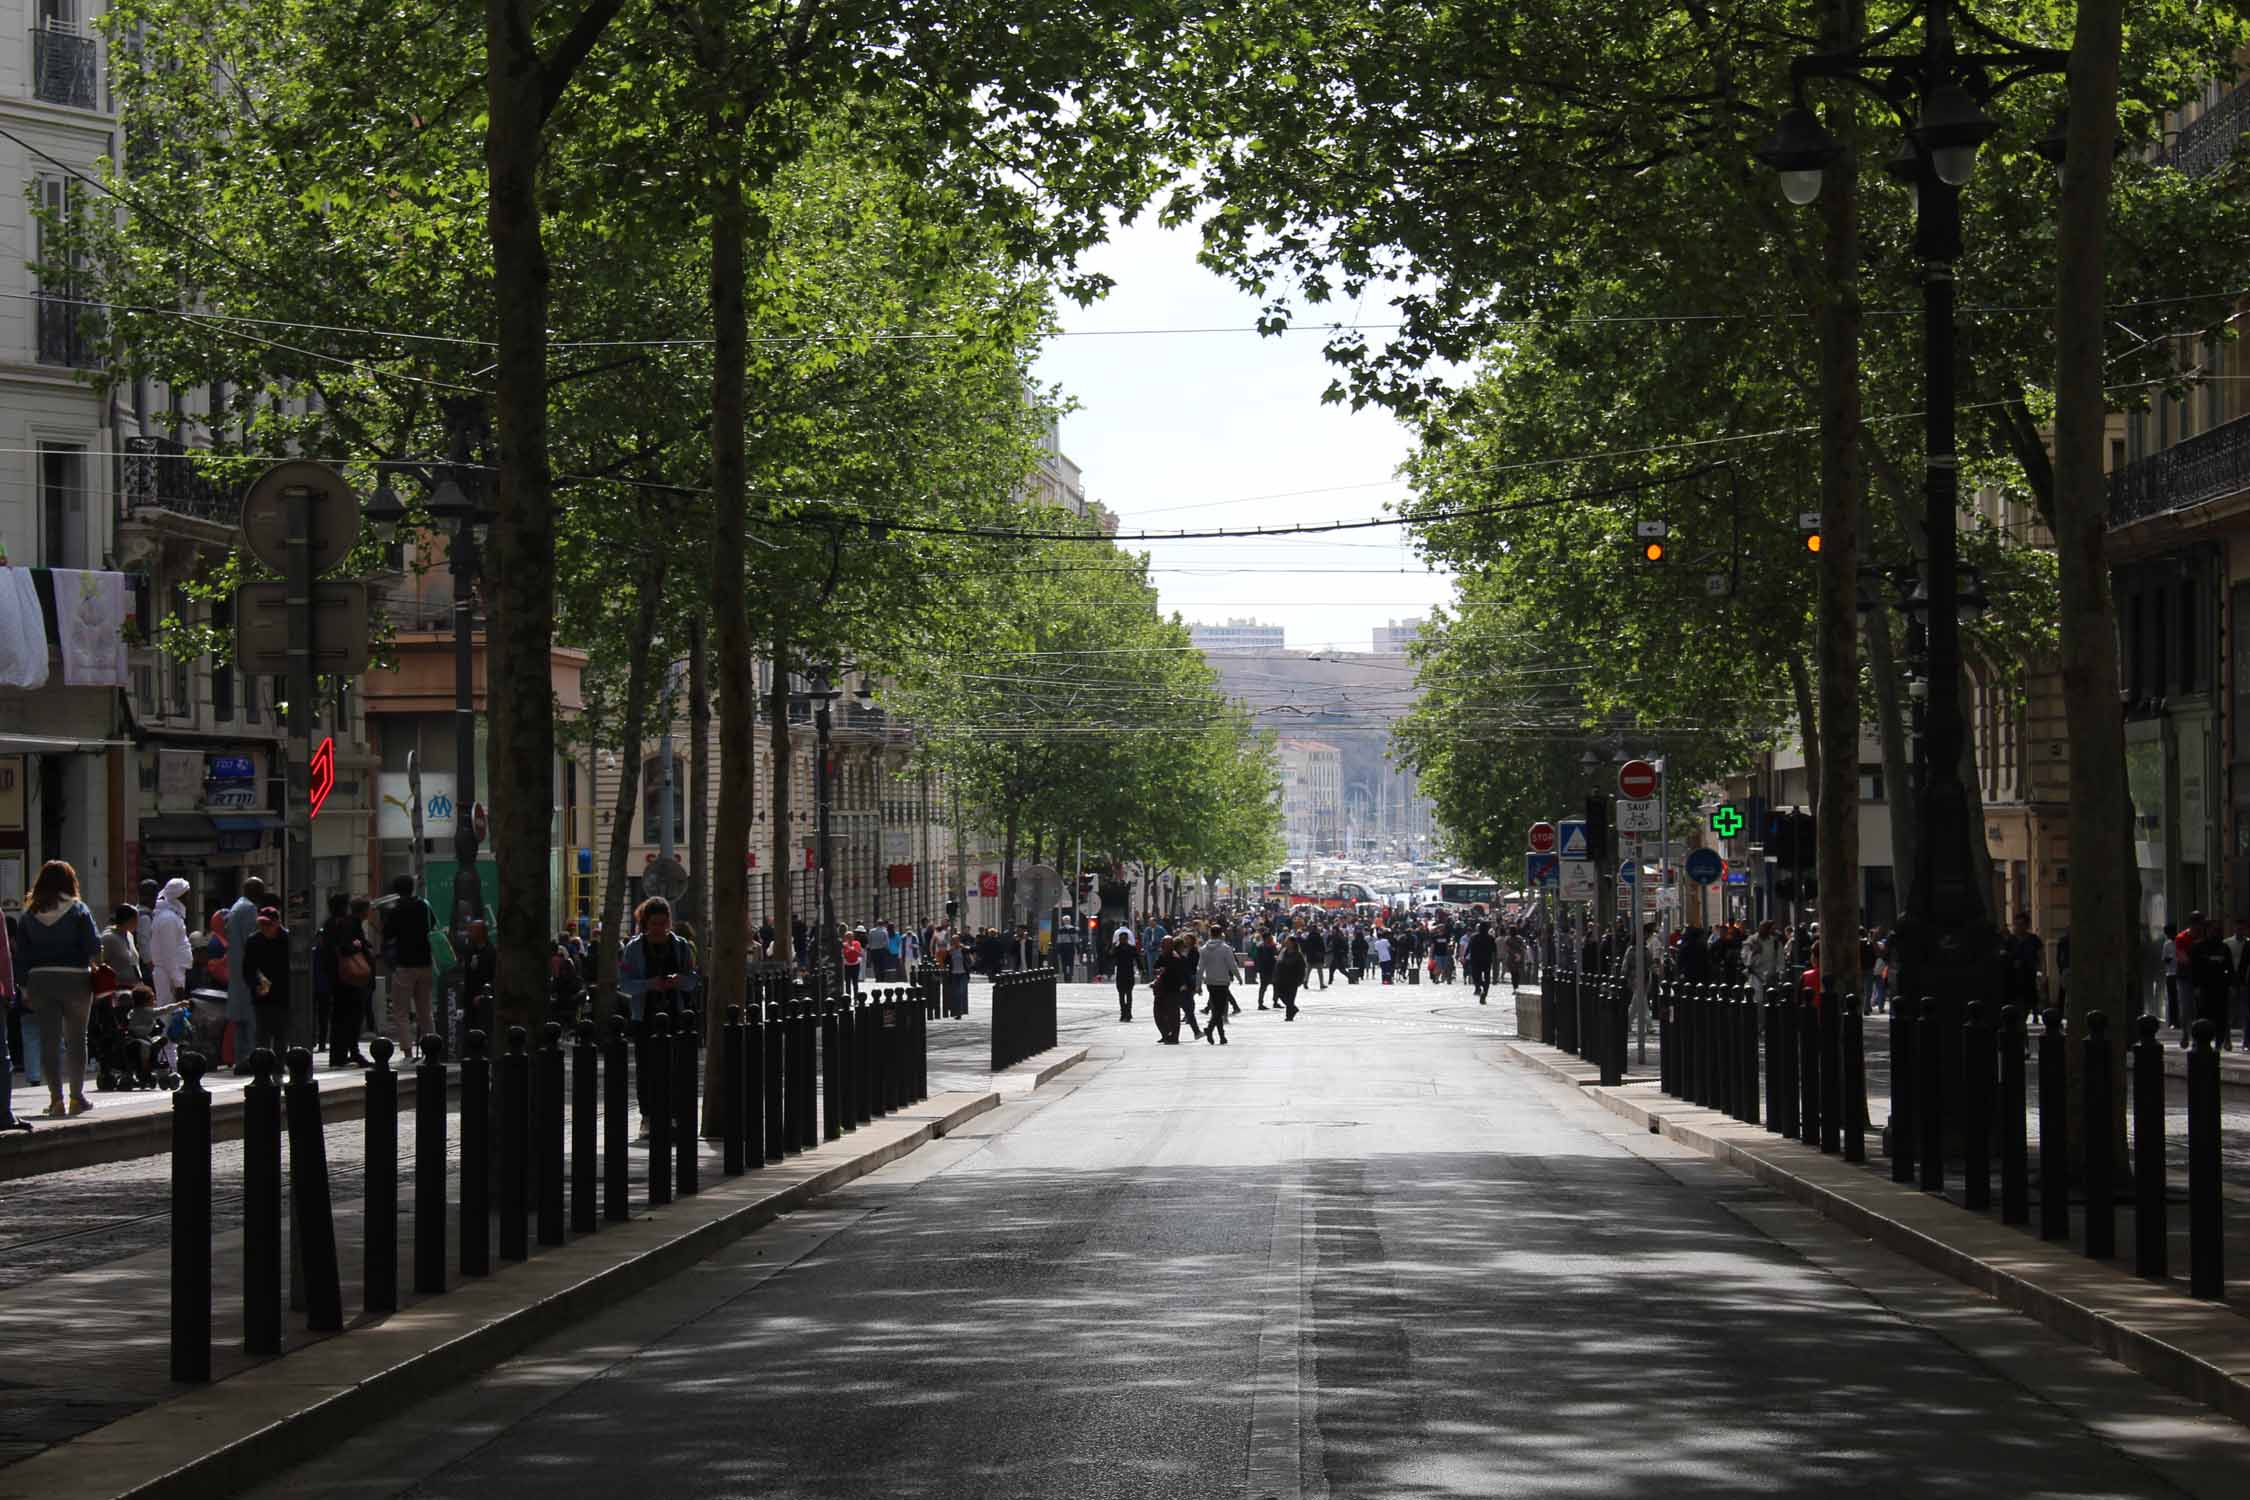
(544, 1146)
(1023, 1015)
(1723, 1048)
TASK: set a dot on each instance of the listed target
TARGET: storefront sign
(902, 877)
(231, 797)
(179, 777)
(231, 768)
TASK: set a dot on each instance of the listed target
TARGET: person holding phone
(656, 970)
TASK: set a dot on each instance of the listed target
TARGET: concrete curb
(2199, 1349)
(1037, 1069)
(98, 1139)
(286, 1410)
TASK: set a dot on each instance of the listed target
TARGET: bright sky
(1202, 430)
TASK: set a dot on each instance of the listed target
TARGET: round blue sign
(1704, 866)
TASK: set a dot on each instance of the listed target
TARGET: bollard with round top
(730, 1092)
(261, 1207)
(1777, 1072)
(774, 1050)
(1808, 1067)
(617, 1128)
(548, 1123)
(656, 1104)
(515, 1095)
(752, 1086)
(429, 1168)
(476, 1156)
(2207, 1272)
(2151, 1240)
(2054, 1132)
(1903, 1135)
(311, 1212)
(1929, 1095)
(831, 1072)
(585, 1115)
(2098, 1098)
(1855, 1082)
(191, 1221)
(687, 1127)
(379, 1254)
(2015, 1147)
(1977, 1059)
(1831, 1071)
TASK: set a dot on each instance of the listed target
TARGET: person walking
(1289, 972)
(2023, 962)
(656, 969)
(1266, 957)
(853, 953)
(265, 965)
(1478, 963)
(8, 997)
(1215, 966)
(121, 948)
(56, 945)
(407, 949)
(242, 1013)
(1168, 985)
(2211, 976)
(170, 955)
(1339, 953)
(953, 956)
(1358, 956)
(1382, 952)
(344, 957)
(1125, 961)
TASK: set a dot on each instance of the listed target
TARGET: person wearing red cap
(265, 963)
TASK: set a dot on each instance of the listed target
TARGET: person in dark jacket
(2212, 972)
(1126, 961)
(1478, 960)
(1339, 953)
(1264, 957)
(343, 947)
(1290, 971)
(480, 972)
(265, 964)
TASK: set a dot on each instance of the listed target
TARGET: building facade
(1394, 638)
(1312, 796)
(1237, 638)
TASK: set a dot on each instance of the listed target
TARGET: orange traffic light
(1652, 552)
(1812, 541)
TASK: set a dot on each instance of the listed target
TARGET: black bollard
(476, 1156)
(806, 1092)
(261, 1208)
(656, 1102)
(2207, 1271)
(1613, 1001)
(2151, 1240)
(1855, 1082)
(831, 1073)
(1902, 1134)
(2015, 1148)
(379, 1257)
(867, 1059)
(2098, 1098)
(617, 1122)
(1977, 1059)
(1808, 1067)
(310, 1211)
(1929, 1096)
(1770, 1019)
(2054, 1135)
(549, 1123)
(847, 1063)
(429, 1168)
(776, 1054)
(1667, 1058)
(687, 1123)
(585, 1115)
(515, 1102)
(730, 1092)
(191, 1221)
(1831, 1071)
(751, 1085)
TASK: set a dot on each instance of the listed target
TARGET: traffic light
(1808, 526)
(1652, 539)
(1086, 882)
(1597, 826)
(1282, 881)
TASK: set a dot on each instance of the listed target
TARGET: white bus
(1462, 890)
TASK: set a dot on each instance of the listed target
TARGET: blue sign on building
(1542, 869)
(231, 768)
(1704, 866)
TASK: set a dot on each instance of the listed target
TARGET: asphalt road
(1356, 1255)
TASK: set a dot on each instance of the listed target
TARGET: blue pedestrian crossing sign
(1570, 839)
(1542, 869)
(1704, 866)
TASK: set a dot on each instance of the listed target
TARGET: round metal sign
(1541, 839)
(332, 520)
(1636, 779)
(1704, 866)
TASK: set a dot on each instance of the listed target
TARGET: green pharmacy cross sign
(1726, 820)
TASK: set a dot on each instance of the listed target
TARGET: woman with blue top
(56, 945)
(658, 962)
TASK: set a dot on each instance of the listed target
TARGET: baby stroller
(130, 1042)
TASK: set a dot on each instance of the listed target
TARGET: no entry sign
(1541, 839)
(1636, 779)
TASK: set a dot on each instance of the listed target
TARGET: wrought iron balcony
(2208, 466)
(2209, 141)
(159, 475)
(63, 336)
(64, 70)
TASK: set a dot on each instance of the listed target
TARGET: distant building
(1394, 638)
(1311, 796)
(1237, 637)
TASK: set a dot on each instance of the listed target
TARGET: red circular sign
(1541, 839)
(1636, 779)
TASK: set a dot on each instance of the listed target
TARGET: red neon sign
(323, 774)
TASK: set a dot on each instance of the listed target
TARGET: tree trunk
(1842, 481)
(640, 687)
(520, 570)
(1008, 868)
(1898, 769)
(697, 902)
(784, 846)
(727, 973)
(1808, 731)
(2103, 918)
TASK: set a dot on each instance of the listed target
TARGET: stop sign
(1541, 839)
(1636, 779)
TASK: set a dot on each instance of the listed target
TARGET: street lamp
(827, 953)
(1949, 946)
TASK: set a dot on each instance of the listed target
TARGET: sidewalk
(2198, 1348)
(91, 1408)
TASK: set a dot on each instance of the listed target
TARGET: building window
(222, 672)
(62, 505)
(62, 320)
(249, 698)
(62, 57)
(652, 800)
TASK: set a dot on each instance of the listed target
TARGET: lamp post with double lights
(1948, 944)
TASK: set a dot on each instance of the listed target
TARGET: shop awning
(247, 822)
(177, 828)
(53, 744)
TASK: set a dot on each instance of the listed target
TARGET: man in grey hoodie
(1216, 966)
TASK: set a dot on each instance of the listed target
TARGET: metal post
(687, 1138)
(2054, 1135)
(751, 1084)
(2097, 1097)
(827, 952)
(515, 1098)
(1901, 1134)
(297, 501)
(549, 1123)
(585, 1115)
(379, 1279)
(311, 1210)
(617, 1109)
(1855, 1082)
(2015, 1148)
(476, 1156)
(429, 1167)
(1929, 1094)
(2151, 1247)
(2207, 1271)
(730, 1092)
(191, 1222)
(261, 1208)
(1977, 1058)
(656, 1101)
(462, 559)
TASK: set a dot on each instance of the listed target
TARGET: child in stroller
(129, 1038)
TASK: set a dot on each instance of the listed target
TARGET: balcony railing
(63, 336)
(159, 475)
(2207, 143)
(2208, 466)
(63, 69)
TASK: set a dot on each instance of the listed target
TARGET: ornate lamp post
(1949, 945)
